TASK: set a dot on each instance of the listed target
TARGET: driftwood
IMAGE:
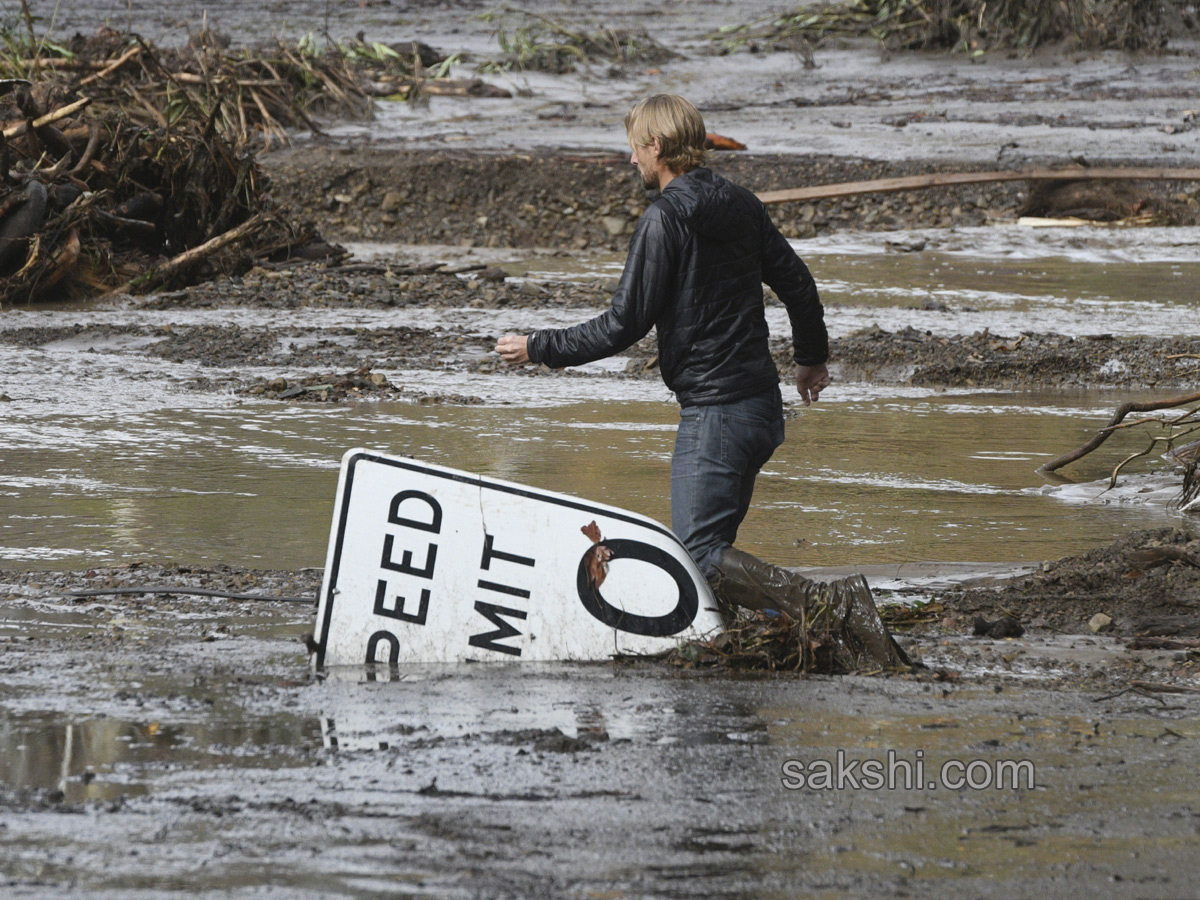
(179, 264)
(1157, 642)
(945, 179)
(112, 67)
(106, 201)
(1113, 425)
(1151, 687)
(49, 118)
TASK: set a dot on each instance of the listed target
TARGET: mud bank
(873, 355)
(1147, 583)
(574, 201)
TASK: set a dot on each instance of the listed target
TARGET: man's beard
(649, 180)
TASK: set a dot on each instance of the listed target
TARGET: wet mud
(1145, 584)
(163, 741)
(190, 730)
(580, 202)
(872, 355)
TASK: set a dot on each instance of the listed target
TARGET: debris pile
(362, 383)
(530, 41)
(783, 620)
(775, 642)
(972, 26)
(253, 94)
(128, 167)
(89, 205)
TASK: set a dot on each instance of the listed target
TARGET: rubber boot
(747, 581)
(844, 610)
(864, 624)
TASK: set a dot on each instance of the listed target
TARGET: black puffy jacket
(697, 263)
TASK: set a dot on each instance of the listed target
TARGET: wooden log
(89, 151)
(188, 258)
(1151, 687)
(64, 262)
(191, 78)
(49, 118)
(61, 62)
(946, 179)
(1154, 642)
(112, 67)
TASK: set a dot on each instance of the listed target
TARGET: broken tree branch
(944, 179)
(49, 118)
(112, 67)
(174, 266)
(1101, 436)
(1154, 441)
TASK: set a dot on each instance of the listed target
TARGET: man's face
(646, 160)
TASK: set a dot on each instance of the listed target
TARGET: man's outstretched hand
(513, 348)
(810, 381)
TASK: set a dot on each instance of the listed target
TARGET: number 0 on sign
(429, 564)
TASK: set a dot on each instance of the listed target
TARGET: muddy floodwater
(171, 744)
(113, 455)
(179, 744)
(219, 770)
(152, 745)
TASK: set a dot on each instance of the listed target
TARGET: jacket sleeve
(645, 285)
(787, 275)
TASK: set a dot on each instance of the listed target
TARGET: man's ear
(656, 145)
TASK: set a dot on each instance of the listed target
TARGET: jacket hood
(709, 204)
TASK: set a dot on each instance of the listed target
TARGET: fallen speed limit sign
(430, 564)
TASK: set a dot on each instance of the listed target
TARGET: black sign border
(343, 515)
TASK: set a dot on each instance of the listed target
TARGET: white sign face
(429, 564)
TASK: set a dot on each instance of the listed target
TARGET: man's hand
(810, 381)
(513, 348)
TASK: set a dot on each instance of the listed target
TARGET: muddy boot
(843, 611)
(864, 626)
(747, 581)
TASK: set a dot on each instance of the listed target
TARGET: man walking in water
(697, 262)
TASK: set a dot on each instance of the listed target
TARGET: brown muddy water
(153, 745)
(152, 748)
(110, 455)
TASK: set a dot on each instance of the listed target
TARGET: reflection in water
(861, 479)
(104, 758)
(372, 708)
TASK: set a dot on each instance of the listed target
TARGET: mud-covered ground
(158, 742)
(908, 356)
(172, 742)
(578, 202)
(1146, 583)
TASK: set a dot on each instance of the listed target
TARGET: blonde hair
(678, 126)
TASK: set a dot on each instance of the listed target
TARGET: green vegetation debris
(531, 42)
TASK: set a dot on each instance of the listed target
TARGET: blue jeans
(718, 452)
